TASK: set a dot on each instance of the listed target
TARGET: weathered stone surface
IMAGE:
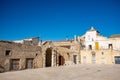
(19, 51)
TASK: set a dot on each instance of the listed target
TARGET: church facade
(99, 49)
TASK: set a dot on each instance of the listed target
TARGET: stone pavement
(73, 72)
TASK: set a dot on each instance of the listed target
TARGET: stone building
(99, 49)
(19, 56)
(55, 55)
(71, 47)
(16, 56)
(91, 48)
(29, 41)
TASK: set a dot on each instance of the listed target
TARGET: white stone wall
(90, 38)
(116, 43)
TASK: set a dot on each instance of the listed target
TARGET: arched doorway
(61, 60)
(48, 58)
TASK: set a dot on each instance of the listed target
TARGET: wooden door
(15, 64)
(29, 63)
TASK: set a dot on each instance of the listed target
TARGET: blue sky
(56, 19)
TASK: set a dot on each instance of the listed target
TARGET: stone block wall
(11, 50)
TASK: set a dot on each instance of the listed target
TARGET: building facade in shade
(91, 48)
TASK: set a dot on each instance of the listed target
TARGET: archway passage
(48, 60)
(61, 60)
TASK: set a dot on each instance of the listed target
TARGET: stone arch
(48, 57)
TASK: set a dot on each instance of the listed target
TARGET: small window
(36, 54)
(90, 47)
(7, 53)
(68, 55)
(92, 39)
(102, 53)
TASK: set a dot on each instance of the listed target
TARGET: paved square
(74, 72)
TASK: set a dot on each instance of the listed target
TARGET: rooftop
(115, 36)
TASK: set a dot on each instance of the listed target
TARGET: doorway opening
(29, 63)
(14, 64)
(48, 58)
(75, 59)
(61, 60)
(90, 47)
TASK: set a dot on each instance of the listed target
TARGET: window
(92, 39)
(110, 46)
(68, 56)
(102, 53)
(36, 54)
(96, 45)
(66, 47)
(90, 47)
(7, 53)
(117, 59)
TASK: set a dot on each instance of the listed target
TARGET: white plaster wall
(116, 43)
(90, 35)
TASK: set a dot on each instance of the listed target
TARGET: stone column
(57, 59)
(22, 63)
(7, 64)
(53, 58)
(44, 56)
